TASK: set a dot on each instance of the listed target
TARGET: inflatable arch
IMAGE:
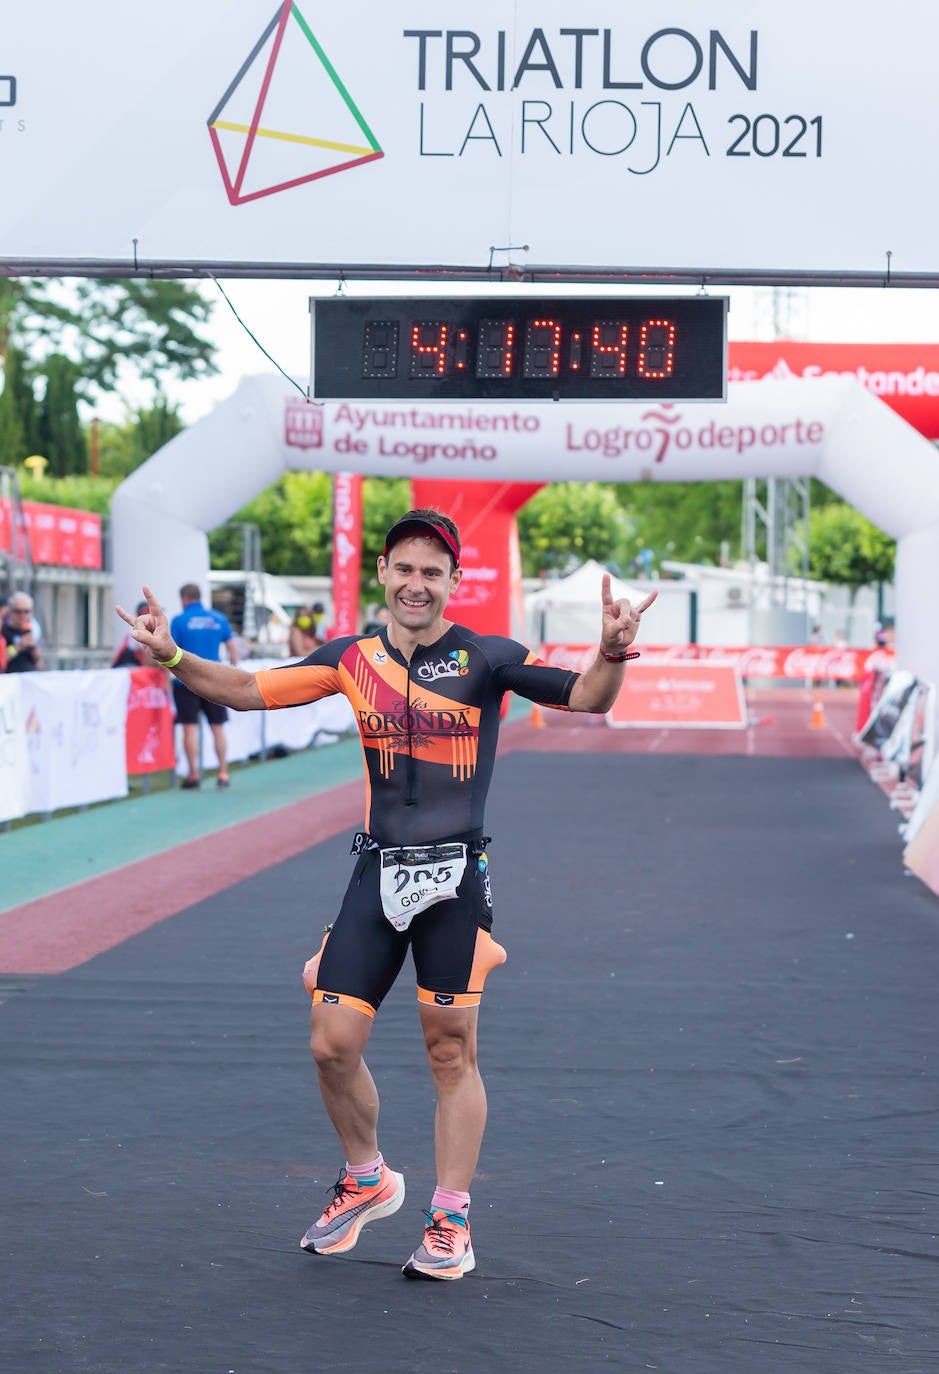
(830, 428)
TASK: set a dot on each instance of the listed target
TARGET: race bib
(416, 878)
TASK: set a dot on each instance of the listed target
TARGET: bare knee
(335, 1043)
(450, 1056)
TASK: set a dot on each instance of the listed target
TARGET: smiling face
(419, 578)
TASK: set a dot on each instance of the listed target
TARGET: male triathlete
(427, 695)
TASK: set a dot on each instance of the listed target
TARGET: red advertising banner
(904, 376)
(347, 552)
(487, 598)
(701, 696)
(57, 534)
(798, 663)
(150, 746)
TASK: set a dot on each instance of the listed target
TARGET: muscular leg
(191, 748)
(450, 1041)
(338, 1036)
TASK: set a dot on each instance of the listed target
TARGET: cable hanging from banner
(304, 391)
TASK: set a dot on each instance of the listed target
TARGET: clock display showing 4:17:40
(540, 347)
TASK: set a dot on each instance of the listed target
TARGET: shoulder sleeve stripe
(297, 685)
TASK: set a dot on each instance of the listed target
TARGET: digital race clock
(520, 348)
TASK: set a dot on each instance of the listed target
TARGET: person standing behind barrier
(20, 635)
(201, 631)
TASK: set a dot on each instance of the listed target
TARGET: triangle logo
(287, 118)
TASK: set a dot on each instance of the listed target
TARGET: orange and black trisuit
(429, 730)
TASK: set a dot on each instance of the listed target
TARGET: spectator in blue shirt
(202, 631)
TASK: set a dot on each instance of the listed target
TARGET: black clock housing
(521, 348)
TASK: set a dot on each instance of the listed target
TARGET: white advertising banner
(789, 135)
(243, 740)
(14, 796)
(593, 443)
(75, 732)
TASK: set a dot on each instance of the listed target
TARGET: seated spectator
(20, 634)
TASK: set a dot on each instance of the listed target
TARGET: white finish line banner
(416, 133)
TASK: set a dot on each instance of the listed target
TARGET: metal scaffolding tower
(775, 519)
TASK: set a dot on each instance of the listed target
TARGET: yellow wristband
(171, 662)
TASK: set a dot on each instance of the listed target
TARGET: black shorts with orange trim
(450, 942)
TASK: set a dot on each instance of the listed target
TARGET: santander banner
(706, 696)
(904, 376)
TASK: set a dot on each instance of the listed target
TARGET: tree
(846, 549)
(61, 439)
(152, 327)
(18, 415)
(122, 448)
(568, 522)
(80, 493)
(685, 521)
(295, 517)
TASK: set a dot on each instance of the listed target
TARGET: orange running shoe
(353, 1204)
(446, 1252)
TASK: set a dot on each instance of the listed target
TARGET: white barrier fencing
(250, 733)
(63, 736)
(897, 743)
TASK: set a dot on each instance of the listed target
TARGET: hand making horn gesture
(620, 619)
(151, 629)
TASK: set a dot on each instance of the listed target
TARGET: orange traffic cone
(537, 717)
(818, 715)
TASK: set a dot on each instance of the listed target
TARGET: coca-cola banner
(802, 663)
(347, 552)
(904, 376)
(150, 746)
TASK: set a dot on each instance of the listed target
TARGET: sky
(277, 312)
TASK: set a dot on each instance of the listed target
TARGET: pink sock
(370, 1170)
(448, 1200)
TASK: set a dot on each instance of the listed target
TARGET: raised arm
(218, 682)
(597, 688)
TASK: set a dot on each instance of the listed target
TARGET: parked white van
(259, 607)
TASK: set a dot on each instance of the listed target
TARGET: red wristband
(619, 658)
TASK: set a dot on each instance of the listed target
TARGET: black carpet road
(711, 1065)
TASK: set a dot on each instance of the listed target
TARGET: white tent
(567, 611)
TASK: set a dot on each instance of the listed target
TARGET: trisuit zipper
(410, 798)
